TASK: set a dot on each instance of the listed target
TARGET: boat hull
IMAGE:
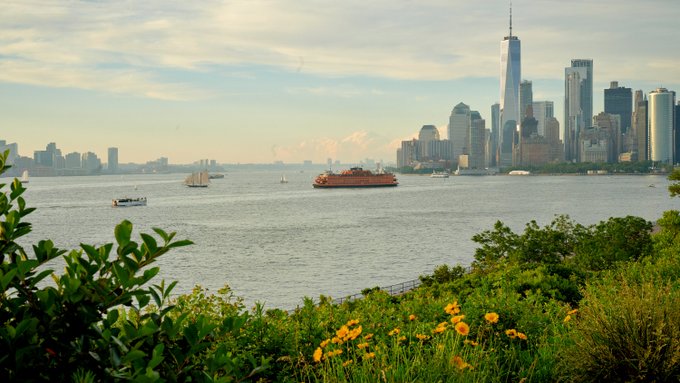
(127, 202)
(319, 186)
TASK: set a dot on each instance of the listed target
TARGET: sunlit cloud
(427, 40)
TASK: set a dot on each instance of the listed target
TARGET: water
(277, 243)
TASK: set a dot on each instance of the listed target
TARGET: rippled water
(276, 243)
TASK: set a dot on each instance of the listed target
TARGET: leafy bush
(91, 324)
(625, 334)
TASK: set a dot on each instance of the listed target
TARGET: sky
(258, 81)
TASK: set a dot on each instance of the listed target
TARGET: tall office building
(495, 136)
(578, 104)
(619, 100)
(113, 160)
(661, 109)
(476, 144)
(459, 129)
(542, 111)
(427, 134)
(676, 133)
(639, 124)
(510, 77)
(526, 98)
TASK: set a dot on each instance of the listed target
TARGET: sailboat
(283, 179)
(24, 177)
(198, 180)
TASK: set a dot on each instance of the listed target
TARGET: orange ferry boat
(355, 178)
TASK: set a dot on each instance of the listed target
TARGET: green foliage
(674, 187)
(626, 333)
(95, 322)
(443, 274)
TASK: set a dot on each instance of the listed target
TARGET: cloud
(351, 148)
(424, 40)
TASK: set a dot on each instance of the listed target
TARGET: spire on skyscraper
(511, 19)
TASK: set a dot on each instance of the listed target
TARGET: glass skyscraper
(578, 104)
(661, 107)
(510, 78)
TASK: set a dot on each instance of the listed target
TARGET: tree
(674, 187)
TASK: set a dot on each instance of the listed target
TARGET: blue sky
(262, 81)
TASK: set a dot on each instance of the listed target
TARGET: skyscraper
(542, 111)
(619, 100)
(510, 77)
(660, 116)
(578, 104)
(526, 98)
(113, 160)
(495, 135)
(459, 129)
(640, 125)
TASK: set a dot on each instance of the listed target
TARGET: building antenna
(511, 19)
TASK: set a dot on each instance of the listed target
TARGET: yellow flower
(422, 337)
(440, 347)
(317, 354)
(362, 345)
(368, 336)
(342, 332)
(401, 339)
(369, 355)
(572, 312)
(336, 340)
(452, 308)
(325, 343)
(458, 362)
(512, 333)
(438, 330)
(567, 318)
(347, 363)
(411, 317)
(457, 318)
(471, 342)
(353, 334)
(337, 352)
(394, 332)
(352, 322)
(521, 336)
(491, 317)
(462, 328)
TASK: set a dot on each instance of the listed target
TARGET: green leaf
(133, 355)
(6, 279)
(123, 232)
(150, 242)
(181, 243)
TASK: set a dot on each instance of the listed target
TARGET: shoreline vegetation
(563, 302)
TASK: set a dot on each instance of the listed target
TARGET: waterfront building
(619, 100)
(91, 163)
(594, 145)
(476, 145)
(611, 123)
(526, 98)
(112, 163)
(408, 154)
(427, 134)
(660, 121)
(578, 104)
(495, 137)
(542, 111)
(73, 161)
(639, 125)
(459, 128)
(552, 135)
(509, 92)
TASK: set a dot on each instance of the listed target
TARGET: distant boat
(214, 176)
(442, 174)
(283, 179)
(198, 180)
(519, 173)
(24, 177)
(125, 202)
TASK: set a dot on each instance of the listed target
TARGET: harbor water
(276, 243)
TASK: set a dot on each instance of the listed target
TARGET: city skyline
(266, 81)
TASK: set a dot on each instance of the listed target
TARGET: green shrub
(623, 334)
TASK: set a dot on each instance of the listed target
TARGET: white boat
(24, 177)
(124, 202)
(442, 174)
(519, 173)
(198, 180)
(284, 180)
